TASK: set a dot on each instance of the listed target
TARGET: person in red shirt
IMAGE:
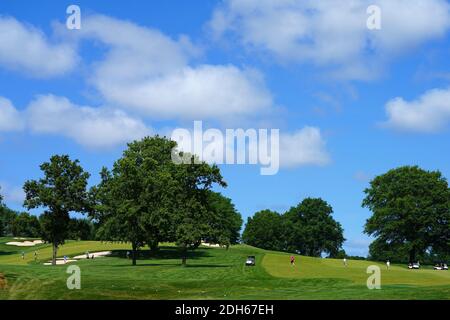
(292, 261)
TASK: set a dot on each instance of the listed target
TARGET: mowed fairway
(211, 273)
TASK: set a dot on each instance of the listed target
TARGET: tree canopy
(308, 229)
(265, 230)
(312, 230)
(411, 212)
(147, 198)
(63, 189)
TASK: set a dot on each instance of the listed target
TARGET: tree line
(144, 199)
(308, 229)
(410, 221)
(23, 224)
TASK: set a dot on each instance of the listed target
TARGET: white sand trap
(214, 245)
(25, 243)
(95, 254)
(59, 262)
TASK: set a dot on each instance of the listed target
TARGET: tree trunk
(55, 249)
(154, 245)
(412, 256)
(134, 253)
(184, 257)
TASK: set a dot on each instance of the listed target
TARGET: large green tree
(133, 201)
(265, 230)
(311, 229)
(62, 190)
(411, 211)
(226, 222)
(192, 218)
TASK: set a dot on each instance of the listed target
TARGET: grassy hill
(211, 273)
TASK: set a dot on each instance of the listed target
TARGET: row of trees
(23, 224)
(144, 199)
(411, 215)
(308, 229)
(410, 221)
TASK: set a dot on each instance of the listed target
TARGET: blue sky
(357, 102)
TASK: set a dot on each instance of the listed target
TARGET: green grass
(211, 274)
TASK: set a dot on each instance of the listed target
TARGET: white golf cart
(414, 265)
(251, 261)
(442, 266)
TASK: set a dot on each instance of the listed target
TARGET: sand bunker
(25, 243)
(214, 245)
(59, 262)
(95, 254)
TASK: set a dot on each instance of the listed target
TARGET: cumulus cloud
(331, 33)
(429, 113)
(12, 194)
(152, 73)
(88, 126)
(303, 147)
(10, 119)
(27, 49)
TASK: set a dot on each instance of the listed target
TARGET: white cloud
(429, 113)
(304, 147)
(91, 127)
(10, 119)
(147, 71)
(11, 194)
(332, 33)
(27, 49)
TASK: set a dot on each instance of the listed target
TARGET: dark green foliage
(147, 198)
(265, 230)
(61, 191)
(133, 200)
(81, 229)
(308, 229)
(411, 213)
(226, 222)
(25, 225)
(192, 219)
(311, 229)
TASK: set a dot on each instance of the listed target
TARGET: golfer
(23, 255)
(345, 262)
(388, 264)
(292, 261)
(35, 256)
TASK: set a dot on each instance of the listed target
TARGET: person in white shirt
(345, 262)
(388, 264)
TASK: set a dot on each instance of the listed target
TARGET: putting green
(312, 268)
(211, 273)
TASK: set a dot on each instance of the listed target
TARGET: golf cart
(251, 261)
(442, 266)
(414, 265)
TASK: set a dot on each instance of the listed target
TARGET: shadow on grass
(8, 253)
(164, 253)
